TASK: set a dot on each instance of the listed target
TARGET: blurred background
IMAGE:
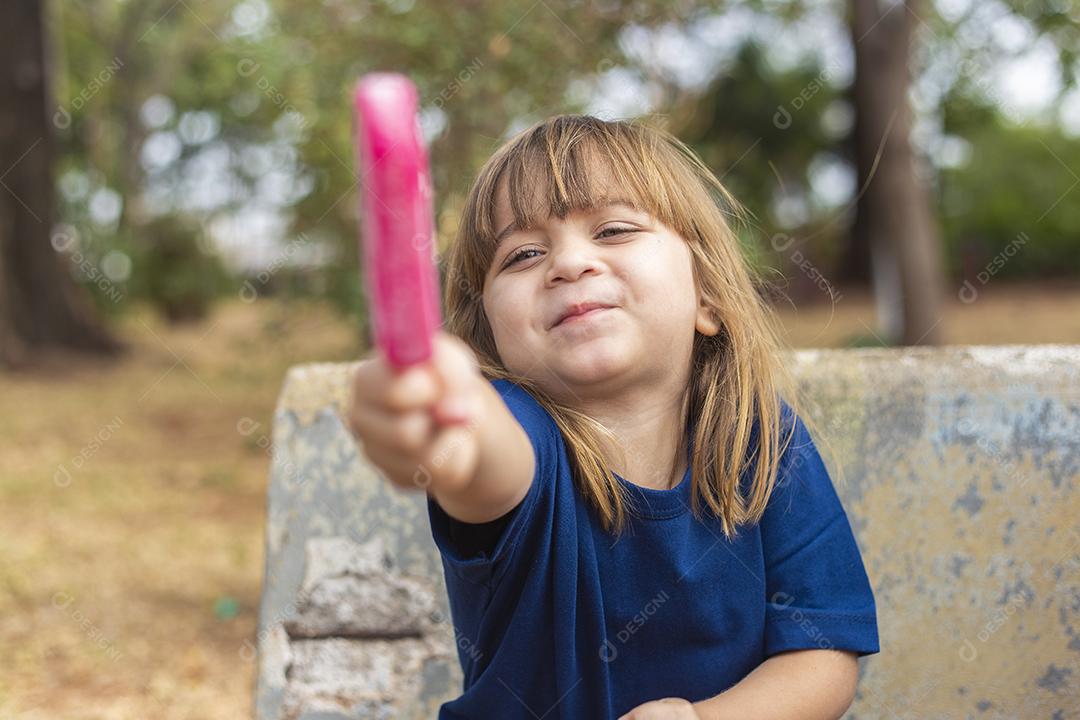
(178, 227)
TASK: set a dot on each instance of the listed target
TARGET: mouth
(578, 313)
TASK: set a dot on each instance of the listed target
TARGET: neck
(649, 423)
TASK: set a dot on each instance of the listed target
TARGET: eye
(615, 230)
(520, 254)
(523, 254)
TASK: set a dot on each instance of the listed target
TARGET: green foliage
(175, 274)
(275, 77)
(760, 130)
(279, 84)
(1012, 210)
(479, 70)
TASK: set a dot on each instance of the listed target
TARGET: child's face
(614, 255)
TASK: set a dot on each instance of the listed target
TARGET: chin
(590, 362)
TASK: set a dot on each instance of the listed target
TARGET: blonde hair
(737, 374)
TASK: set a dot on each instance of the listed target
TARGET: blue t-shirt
(561, 620)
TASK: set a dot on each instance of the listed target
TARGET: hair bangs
(559, 168)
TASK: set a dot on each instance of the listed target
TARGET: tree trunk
(40, 305)
(854, 268)
(893, 215)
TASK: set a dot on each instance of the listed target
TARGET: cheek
(660, 281)
(507, 308)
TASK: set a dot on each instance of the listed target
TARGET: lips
(579, 309)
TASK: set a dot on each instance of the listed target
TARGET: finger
(456, 371)
(407, 432)
(376, 382)
(370, 377)
(452, 457)
(412, 388)
(400, 470)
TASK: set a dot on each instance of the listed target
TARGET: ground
(132, 496)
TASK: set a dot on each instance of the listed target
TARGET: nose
(570, 258)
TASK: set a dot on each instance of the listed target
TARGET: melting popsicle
(397, 245)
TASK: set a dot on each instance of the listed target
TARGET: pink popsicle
(397, 247)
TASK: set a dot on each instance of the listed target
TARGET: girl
(633, 519)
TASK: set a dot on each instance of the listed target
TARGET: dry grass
(1001, 315)
(117, 581)
(119, 577)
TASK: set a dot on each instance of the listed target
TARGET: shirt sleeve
(483, 564)
(476, 538)
(817, 592)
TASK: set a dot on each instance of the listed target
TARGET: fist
(418, 425)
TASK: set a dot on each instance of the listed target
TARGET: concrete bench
(959, 468)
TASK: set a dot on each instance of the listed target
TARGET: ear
(705, 324)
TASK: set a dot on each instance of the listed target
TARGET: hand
(665, 709)
(417, 425)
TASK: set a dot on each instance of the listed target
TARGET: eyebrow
(512, 227)
(505, 231)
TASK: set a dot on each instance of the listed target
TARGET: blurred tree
(1007, 185)
(227, 109)
(160, 118)
(953, 63)
(893, 217)
(768, 165)
(40, 306)
(271, 80)
(1010, 210)
(178, 277)
(958, 69)
(478, 69)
